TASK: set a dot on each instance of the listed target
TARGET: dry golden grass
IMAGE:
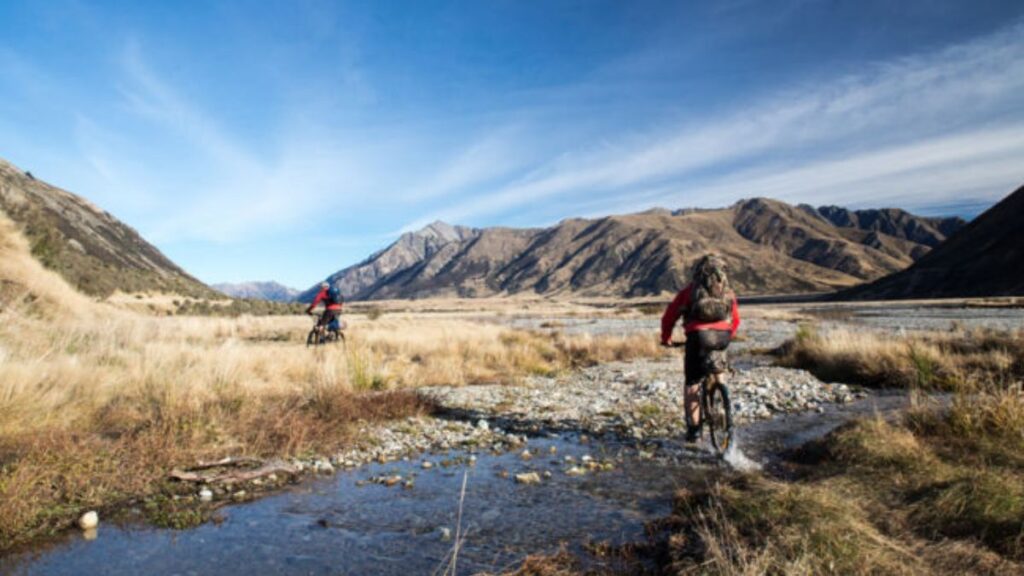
(928, 360)
(756, 526)
(113, 401)
(877, 498)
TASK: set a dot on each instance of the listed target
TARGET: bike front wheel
(718, 414)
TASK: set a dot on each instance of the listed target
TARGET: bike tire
(718, 415)
(312, 339)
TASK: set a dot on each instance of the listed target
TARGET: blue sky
(286, 140)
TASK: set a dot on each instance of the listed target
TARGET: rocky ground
(638, 400)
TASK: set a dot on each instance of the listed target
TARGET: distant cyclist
(711, 318)
(330, 296)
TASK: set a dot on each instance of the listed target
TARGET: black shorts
(327, 316)
(699, 346)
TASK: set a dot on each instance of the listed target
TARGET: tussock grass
(757, 526)
(887, 499)
(96, 409)
(943, 361)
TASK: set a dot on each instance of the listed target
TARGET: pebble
(446, 534)
(528, 478)
(89, 521)
(427, 465)
(205, 495)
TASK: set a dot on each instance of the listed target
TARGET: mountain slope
(985, 258)
(91, 249)
(772, 247)
(272, 291)
(26, 284)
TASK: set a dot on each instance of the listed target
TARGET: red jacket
(678, 308)
(322, 297)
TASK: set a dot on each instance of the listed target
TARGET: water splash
(735, 458)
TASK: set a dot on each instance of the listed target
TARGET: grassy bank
(955, 360)
(940, 490)
(95, 409)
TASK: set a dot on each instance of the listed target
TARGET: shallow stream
(346, 525)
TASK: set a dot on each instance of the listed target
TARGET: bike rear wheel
(718, 415)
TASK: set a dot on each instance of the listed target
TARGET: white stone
(89, 520)
(205, 495)
(528, 478)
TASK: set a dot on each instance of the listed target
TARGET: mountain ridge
(260, 290)
(773, 247)
(981, 259)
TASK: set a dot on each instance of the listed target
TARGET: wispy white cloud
(881, 130)
(242, 193)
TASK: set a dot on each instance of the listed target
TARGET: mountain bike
(714, 406)
(320, 334)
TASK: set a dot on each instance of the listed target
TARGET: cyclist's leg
(691, 392)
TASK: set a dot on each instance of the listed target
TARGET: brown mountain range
(94, 251)
(771, 247)
(985, 258)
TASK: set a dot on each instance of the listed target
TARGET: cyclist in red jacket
(711, 317)
(332, 301)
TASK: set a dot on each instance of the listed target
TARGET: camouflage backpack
(711, 300)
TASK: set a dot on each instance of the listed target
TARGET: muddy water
(341, 526)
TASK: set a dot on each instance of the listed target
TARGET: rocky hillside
(771, 246)
(92, 250)
(272, 291)
(984, 258)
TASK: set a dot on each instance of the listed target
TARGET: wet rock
(205, 495)
(445, 533)
(575, 471)
(528, 478)
(89, 520)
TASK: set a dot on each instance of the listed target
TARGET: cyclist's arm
(672, 314)
(316, 301)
